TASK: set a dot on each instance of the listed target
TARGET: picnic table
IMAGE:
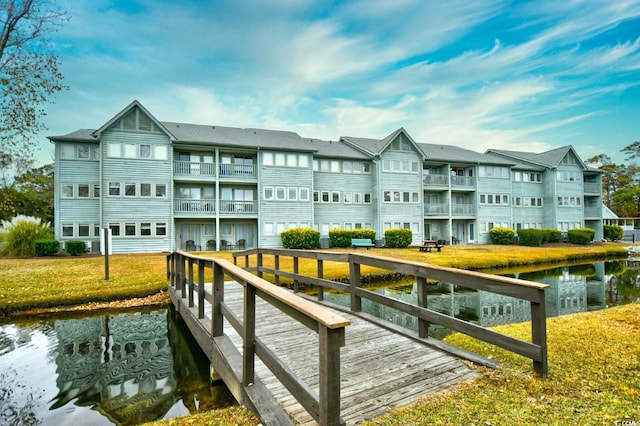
(428, 245)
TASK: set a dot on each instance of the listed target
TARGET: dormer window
(136, 120)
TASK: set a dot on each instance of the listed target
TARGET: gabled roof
(128, 108)
(237, 137)
(373, 147)
(550, 159)
(81, 135)
(452, 153)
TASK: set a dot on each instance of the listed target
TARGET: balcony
(194, 207)
(238, 207)
(436, 209)
(191, 169)
(238, 171)
(188, 169)
(592, 212)
(592, 188)
(435, 180)
(463, 182)
(463, 210)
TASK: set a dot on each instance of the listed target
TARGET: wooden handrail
(329, 326)
(536, 350)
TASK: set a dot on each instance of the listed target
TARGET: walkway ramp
(381, 370)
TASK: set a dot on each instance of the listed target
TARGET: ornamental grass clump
(20, 235)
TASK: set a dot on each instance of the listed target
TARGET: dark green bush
(613, 232)
(398, 237)
(502, 235)
(551, 235)
(21, 233)
(47, 247)
(340, 237)
(364, 233)
(580, 235)
(300, 238)
(531, 237)
(75, 247)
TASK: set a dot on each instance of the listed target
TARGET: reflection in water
(123, 369)
(572, 289)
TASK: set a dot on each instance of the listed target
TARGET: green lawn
(594, 358)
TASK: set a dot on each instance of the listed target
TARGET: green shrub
(300, 238)
(580, 235)
(502, 235)
(531, 237)
(47, 247)
(21, 233)
(75, 247)
(613, 232)
(340, 237)
(551, 235)
(398, 237)
(364, 233)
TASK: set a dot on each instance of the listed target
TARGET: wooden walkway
(381, 370)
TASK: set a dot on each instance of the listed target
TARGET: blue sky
(477, 74)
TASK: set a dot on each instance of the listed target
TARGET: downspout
(217, 210)
(449, 170)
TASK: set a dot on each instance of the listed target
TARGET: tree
(29, 72)
(31, 194)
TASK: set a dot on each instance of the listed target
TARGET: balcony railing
(592, 188)
(463, 182)
(242, 171)
(435, 180)
(188, 168)
(238, 207)
(196, 207)
(436, 209)
(463, 210)
(226, 171)
(592, 212)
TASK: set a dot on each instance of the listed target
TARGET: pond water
(120, 368)
(134, 367)
(572, 289)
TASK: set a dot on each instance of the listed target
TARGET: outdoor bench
(362, 242)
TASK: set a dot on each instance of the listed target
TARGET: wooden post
(218, 298)
(354, 283)
(539, 333)
(276, 266)
(423, 326)
(330, 342)
(259, 265)
(296, 283)
(200, 288)
(183, 275)
(249, 335)
(190, 283)
(320, 275)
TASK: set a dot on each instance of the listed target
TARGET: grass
(594, 357)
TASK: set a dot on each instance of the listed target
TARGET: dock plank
(380, 370)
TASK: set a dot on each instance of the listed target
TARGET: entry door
(459, 233)
(189, 232)
(245, 231)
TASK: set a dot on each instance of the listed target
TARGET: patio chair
(190, 245)
(211, 245)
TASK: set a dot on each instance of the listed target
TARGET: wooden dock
(380, 370)
(293, 361)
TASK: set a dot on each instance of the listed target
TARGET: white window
(280, 159)
(268, 193)
(160, 152)
(304, 194)
(335, 196)
(83, 230)
(67, 151)
(268, 228)
(67, 190)
(145, 190)
(145, 151)
(130, 189)
(280, 193)
(303, 161)
(130, 150)
(83, 152)
(280, 226)
(292, 193)
(335, 166)
(67, 230)
(145, 228)
(161, 190)
(292, 160)
(161, 229)
(83, 190)
(267, 158)
(113, 149)
(130, 229)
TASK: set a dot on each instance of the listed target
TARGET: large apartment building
(159, 186)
